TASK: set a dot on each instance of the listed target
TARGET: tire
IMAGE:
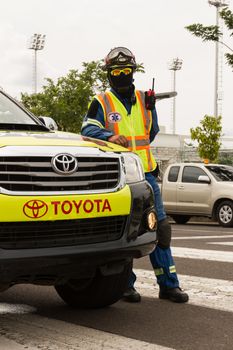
(225, 214)
(181, 219)
(100, 291)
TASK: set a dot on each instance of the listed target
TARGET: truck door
(169, 189)
(193, 196)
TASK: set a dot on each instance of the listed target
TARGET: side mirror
(49, 122)
(204, 179)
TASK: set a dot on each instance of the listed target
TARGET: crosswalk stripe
(9, 344)
(56, 334)
(7, 308)
(222, 243)
(186, 229)
(213, 255)
(201, 237)
(205, 292)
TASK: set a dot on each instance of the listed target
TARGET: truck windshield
(221, 173)
(11, 113)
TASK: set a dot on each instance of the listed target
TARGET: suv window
(191, 174)
(173, 173)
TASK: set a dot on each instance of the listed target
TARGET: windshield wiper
(23, 127)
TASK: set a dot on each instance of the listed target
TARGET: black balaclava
(122, 84)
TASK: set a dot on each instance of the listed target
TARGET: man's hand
(119, 140)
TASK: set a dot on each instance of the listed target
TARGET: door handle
(180, 187)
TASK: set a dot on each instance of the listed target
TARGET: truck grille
(35, 174)
(41, 234)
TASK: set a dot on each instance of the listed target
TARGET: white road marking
(6, 308)
(205, 292)
(201, 237)
(221, 243)
(35, 331)
(8, 344)
(223, 230)
(213, 255)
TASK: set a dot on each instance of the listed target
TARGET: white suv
(197, 189)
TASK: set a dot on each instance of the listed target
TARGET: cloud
(78, 31)
(15, 61)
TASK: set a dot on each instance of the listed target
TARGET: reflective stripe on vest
(135, 127)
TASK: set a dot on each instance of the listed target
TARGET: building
(172, 148)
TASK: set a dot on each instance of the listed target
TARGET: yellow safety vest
(135, 127)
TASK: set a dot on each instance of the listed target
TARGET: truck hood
(225, 187)
(57, 138)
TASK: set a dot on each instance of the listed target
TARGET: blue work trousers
(161, 259)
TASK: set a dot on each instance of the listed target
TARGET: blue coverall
(161, 259)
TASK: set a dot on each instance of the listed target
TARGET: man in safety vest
(128, 117)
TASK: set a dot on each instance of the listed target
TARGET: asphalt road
(33, 317)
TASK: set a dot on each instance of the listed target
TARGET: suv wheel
(225, 214)
(100, 291)
(181, 219)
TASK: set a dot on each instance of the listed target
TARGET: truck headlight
(151, 220)
(133, 169)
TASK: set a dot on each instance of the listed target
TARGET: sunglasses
(116, 72)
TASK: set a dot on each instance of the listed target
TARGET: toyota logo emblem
(64, 164)
(35, 209)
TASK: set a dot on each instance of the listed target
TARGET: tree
(208, 137)
(66, 101)
(213, 33)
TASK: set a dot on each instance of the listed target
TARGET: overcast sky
(84, 30)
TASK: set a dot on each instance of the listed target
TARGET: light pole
(218, 4)
(37, 42)
(174, 65)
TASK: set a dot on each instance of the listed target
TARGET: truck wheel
(100, 291)
(181, 219)
(225, 214)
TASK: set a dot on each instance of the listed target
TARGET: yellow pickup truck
(74, 211)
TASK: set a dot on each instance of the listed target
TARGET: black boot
(173, 294)
(131, 295)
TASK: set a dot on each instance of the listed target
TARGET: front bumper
(52, 265)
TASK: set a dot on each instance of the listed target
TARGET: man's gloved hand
(119, 140)
(150, 99)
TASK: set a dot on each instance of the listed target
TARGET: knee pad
(164, 234)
